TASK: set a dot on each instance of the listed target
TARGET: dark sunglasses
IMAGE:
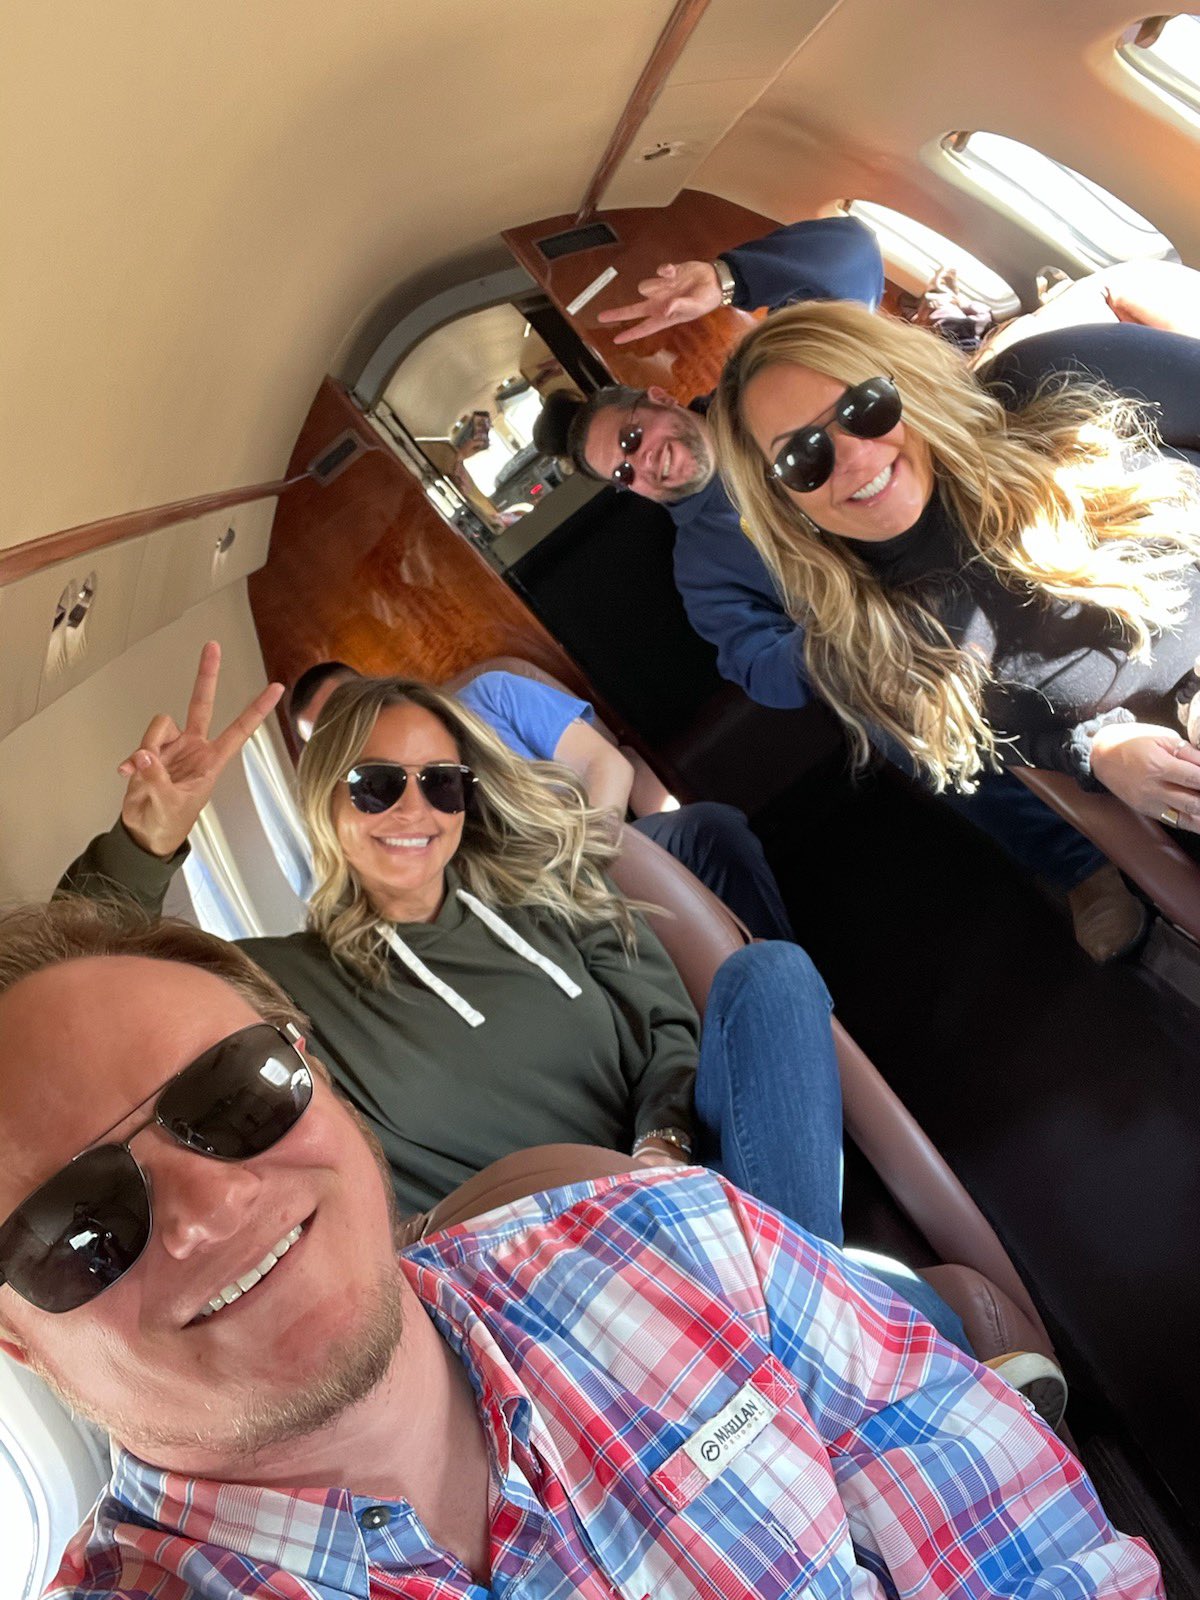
(867, 410)
(377, 786)
(629, 441)
(84, 1228)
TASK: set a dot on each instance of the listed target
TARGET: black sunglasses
(82, 1229)
(376, 786)
(629, 441)
(867, 410)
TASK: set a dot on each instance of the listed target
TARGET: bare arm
(601, 768)
(1158, 294)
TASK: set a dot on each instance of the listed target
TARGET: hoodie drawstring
(506, 935)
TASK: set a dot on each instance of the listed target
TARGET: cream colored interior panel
(184, 564)
(26, 612)
(58, 772)
(95, 593)
(860, 110)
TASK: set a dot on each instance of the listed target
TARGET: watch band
(726, 280)
(673, 1136)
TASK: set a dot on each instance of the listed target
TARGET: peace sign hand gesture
(174, 770)
(680, 291)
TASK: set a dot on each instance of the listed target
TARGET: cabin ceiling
(203, 204)
(457, 369)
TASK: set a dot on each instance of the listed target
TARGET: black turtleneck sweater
(1057, 666)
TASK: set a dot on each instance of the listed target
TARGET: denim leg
(768, 1095)
(1026, 829)
(715, 842)
(769, 1102)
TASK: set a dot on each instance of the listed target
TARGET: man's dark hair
(309, 681)
(562, 426)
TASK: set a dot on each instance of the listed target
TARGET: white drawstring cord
(431, 981)
(505, 934)
(514, 941)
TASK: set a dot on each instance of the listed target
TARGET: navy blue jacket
(727, 591)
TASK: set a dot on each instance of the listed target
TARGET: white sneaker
(1038, 1378)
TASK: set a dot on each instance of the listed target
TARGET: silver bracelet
(667, 1136)
(726, 280)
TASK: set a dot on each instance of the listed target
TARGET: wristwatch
(726, 280)
(667, 1136)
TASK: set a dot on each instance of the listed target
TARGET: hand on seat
(173, 771)
(1152, 769)
(679, 292)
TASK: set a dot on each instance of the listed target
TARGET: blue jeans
(769, 1103)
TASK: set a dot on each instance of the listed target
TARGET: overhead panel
(730, 60)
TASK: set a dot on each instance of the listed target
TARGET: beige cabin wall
(58, 779)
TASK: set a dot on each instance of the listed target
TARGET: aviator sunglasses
(868, 410)
(376, 786)
(84, 1228)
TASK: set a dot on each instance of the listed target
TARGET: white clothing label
(712, 1447)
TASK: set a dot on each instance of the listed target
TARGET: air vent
(337, 456)
(570, 243)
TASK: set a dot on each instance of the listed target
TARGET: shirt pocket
(756, 1507)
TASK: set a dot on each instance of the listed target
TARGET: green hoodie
(446, 1098)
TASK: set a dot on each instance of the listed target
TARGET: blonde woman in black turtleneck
(988, 572)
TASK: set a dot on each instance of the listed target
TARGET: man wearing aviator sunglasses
(197, 1252)
(645, 442)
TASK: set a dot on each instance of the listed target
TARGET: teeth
(875, 485)
(235, 1291)
(405, 844)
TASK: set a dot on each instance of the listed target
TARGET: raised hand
(680, 291)
(173, 771)
(1152, 769)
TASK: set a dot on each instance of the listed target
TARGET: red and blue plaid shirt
(684, 1396)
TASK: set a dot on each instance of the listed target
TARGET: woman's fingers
(204, 690)
(245, 724)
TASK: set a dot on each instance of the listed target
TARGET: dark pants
(1027, 829)
(715, 842)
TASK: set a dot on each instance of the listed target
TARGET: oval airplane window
(1167, 51)
(922, 251)
(1062, 203)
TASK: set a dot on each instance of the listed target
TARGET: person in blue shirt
(645, 441)
(544, 723)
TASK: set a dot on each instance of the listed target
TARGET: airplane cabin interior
(285, 289)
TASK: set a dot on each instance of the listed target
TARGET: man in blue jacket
(647, 442)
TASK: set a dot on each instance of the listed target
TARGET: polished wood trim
(696, 226)
(366, 571)
(681, 24)
(32, 556)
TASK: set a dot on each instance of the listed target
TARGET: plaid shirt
(684, 1396)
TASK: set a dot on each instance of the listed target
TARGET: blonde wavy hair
(1044, 496)
(529, 836)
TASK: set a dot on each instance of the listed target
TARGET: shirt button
(374, 1517)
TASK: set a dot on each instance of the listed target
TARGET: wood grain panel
(685, 361)
(365, 571)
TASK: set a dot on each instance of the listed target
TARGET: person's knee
(771, 968)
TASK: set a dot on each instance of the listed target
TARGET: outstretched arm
(827, 258)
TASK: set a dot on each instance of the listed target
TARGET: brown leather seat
(1142, 848)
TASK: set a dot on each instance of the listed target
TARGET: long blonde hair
(529, 836)
(1044, 496)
